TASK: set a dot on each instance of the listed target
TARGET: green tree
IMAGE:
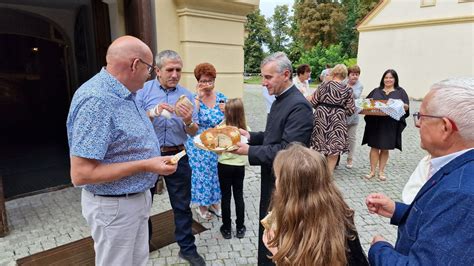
(319, 21)
(349, 36)
(318, 56)
(365, 7)
(257, 35)
(280, 28)
(356, 10)
(296, 45)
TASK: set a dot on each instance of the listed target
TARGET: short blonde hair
(339, 70)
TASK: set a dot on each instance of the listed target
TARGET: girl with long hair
(231, 169)
(311, 224)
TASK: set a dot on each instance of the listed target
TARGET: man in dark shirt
(289, 120)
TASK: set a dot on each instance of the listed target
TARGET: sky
(268, 6)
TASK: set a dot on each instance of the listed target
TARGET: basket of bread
(219, 139)
(371, 106)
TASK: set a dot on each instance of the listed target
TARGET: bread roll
(268, 222)
(177, 156)
(183, 99)
(220, 137)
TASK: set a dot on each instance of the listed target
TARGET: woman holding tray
(383, 133)
(205, 187)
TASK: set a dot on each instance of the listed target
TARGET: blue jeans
(178, 185)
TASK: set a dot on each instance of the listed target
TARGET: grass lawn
(258, 80)
(253, 80)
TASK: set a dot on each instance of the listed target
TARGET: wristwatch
(190, 125)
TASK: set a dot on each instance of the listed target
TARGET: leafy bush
(319, 56)
(350, 62)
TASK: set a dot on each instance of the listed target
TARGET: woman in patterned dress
(332, 102)
(205, 187)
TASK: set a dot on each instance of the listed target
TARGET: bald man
(115, 156)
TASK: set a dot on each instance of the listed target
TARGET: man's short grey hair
(283, 63)
(454, 98)
(166, 55)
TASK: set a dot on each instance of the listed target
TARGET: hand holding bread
(184, 107)
(161, 109)
(175, 159)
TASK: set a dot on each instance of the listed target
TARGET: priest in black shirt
(289, 120)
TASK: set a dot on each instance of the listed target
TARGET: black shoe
(194, 260)
(241, 232)
(226, 233)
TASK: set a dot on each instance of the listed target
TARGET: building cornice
(417, 23)
(238, 8)
(208, 14)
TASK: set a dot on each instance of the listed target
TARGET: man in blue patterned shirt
(159, 96)
(115, 157)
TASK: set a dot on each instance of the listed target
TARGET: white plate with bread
(219, 139)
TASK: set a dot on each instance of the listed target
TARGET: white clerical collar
(284, 90)
(438, 162)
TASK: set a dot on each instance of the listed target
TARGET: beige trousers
(351, 137)
(119, 227)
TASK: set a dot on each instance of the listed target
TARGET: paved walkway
(48, 220)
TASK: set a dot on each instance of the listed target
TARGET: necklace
(388, 91)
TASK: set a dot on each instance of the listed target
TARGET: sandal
(369, 176)
(382, 177)
(204, 215)
(216, 211)
(349, 164)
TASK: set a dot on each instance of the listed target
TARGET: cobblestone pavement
(51, 219)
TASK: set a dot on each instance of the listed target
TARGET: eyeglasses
(417, 118)
(150, 68)
(209, 82)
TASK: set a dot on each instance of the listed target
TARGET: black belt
(169, 149)
(118, 196)
(331, 105)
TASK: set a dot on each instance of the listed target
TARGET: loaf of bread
(183, 99)
(220, 137)
(268, 222)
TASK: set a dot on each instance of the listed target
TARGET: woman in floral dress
(205, 187)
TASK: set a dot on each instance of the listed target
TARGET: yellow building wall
(206, 31)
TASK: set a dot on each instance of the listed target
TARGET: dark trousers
(266, 189)
(179, 191)
(231, 179)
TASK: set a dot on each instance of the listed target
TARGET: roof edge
(417, 23)
(380, 5)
